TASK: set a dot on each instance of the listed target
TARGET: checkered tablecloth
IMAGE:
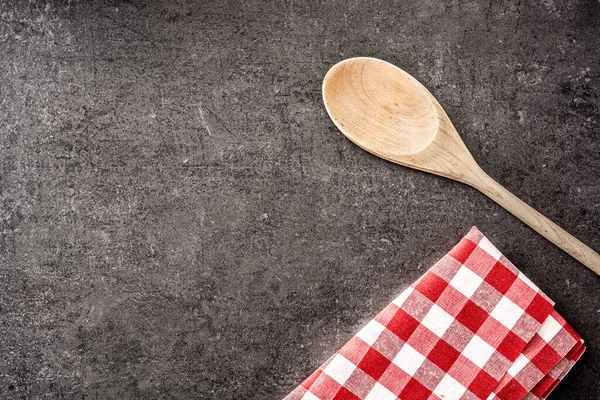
(472, 327)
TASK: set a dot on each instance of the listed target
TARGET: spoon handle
(557, 235)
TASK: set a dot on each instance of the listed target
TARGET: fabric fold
(472, 327)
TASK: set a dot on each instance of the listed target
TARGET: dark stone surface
(180, 219)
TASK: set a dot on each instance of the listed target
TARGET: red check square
(480, 386)
(539, 308)
(463, 250)
(443, 355)
(513, 390)
(374, 364)
(500, 277)
(402, 325)
(546, 358)
(345, 394)
(512, 346)
(431, 286)
(472, 316)
(414, 390)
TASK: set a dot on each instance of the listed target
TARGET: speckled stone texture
(180, 219)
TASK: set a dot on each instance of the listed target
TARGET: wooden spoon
(389, 113)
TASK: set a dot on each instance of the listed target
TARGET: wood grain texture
(387, 112)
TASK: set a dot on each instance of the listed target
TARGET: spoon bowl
(367, 96)
(387, 112)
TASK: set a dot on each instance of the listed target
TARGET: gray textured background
(180, 219)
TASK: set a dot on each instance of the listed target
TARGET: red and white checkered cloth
(472, 327)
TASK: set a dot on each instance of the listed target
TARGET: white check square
(409, 360)
(402, 297)
(379, 392)
(528, 282)
(507, 313)
(466, 281)
(370, 332)
(340, 369)
(518, 365)
(437, 320)
(449, 388)
(489, 248)
(549, 329)
(309, 396)
(478, 351)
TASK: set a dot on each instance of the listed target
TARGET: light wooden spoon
(389, 113)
